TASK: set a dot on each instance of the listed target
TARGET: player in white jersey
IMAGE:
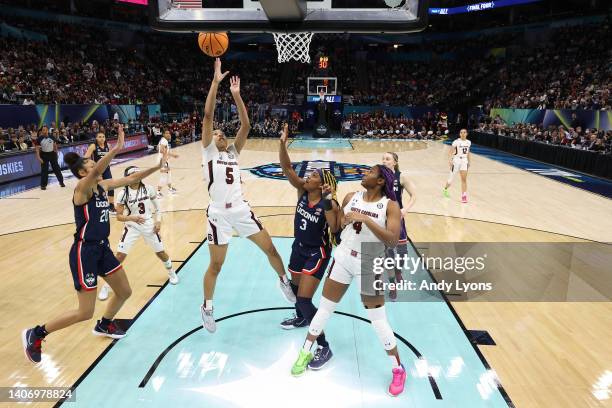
(227, 208)
(135, 208)
(165, 175)
(372, 218)
(459, 159)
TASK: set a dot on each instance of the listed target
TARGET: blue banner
(22, 165)
(487, 5)
(23, 115)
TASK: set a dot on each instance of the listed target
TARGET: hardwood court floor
(547, 354)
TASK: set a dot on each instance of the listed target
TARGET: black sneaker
(43, 187)
(62, 185)
(321, 357)
(293, 323)
(32, 345)
(112, 330)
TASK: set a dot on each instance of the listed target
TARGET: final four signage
(342, 171)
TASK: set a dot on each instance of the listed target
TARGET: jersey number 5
(357, 227)
(229, 176)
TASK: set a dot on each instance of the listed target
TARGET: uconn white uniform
(460, 159)
(139, 202)
(227, 209)
(347, 262)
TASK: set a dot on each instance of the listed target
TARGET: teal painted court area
(321, 144)
(246, 363)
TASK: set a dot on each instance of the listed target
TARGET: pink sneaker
(399, 379)
(464, 198)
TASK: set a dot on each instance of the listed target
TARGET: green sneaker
(446, 193)
(302, 362)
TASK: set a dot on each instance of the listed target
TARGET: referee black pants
(49, 158)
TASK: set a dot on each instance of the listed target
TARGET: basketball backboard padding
(411, 17)
(285, 10)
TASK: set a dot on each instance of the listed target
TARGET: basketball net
(293, 46)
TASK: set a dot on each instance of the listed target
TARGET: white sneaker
(172, 277)
(285, 289)
(159, 194)
(104, 291)
(208, 321)
(172, 190)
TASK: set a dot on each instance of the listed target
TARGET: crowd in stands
(76, 64)
(80, 64)
(576, 137)
(571, 71)
(383, 125)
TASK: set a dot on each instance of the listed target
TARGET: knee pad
(306, 307)
(378, 317)
(326, 308)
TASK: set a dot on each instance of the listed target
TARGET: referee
(46, 152)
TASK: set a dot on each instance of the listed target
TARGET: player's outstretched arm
(134, 177)
(209, 106)
(285, 162)
(90, 151)
(84, 186)
(243, 115)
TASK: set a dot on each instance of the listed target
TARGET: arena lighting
(487, 5)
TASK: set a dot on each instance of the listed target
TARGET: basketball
(213, 44)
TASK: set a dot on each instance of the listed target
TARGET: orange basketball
(213, 44)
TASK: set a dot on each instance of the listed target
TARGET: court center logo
(342, 171)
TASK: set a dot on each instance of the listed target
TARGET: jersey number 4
(465, 150)
(357, 227)
(229, 176)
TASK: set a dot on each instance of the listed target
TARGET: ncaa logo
(379, 205)
(342, 171)
(231, 156)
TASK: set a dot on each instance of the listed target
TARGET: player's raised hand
(235, 84)
(219, 76)
(326, 190)
(120, 138)
(284, 133)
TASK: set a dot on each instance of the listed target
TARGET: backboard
(319, 16)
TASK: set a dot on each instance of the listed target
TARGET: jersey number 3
(141, 208)
(229, 176)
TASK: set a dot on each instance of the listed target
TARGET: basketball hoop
(293, 46)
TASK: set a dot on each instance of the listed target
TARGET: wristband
(327, 202)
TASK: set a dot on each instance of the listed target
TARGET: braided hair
(389, 178)
(329, 178)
